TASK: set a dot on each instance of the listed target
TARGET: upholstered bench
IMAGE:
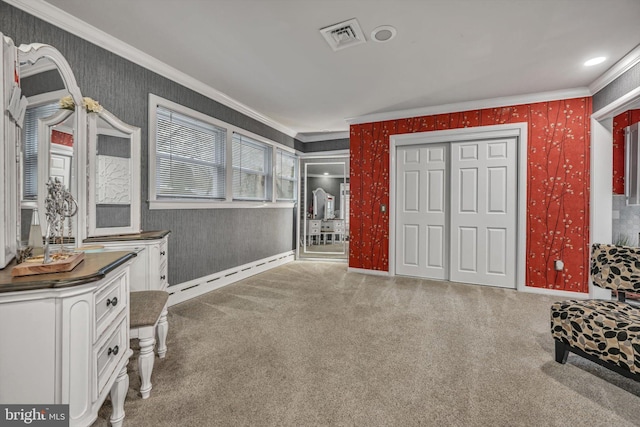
(606, 332)
(146, 310)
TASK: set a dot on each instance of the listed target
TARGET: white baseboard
(530, 289)
(555, 293)
(193, 288)
(365, 271)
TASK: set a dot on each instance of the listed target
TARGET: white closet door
(421, 205)
(483, 212)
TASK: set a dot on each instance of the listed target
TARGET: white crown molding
(51, 14)
(473, 105)
(618, 69)
(325, 154)
(329, 136)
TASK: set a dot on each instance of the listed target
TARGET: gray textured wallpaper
(204, 241)
(620, 86)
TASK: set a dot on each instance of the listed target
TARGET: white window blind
(190, 157)
(30, 147)
(285, 173)
(251, 169)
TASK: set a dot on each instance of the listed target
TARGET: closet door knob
(113, 302)
(163, 277)
(113, 351)
(162, 252)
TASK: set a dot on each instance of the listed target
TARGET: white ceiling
(270, 56)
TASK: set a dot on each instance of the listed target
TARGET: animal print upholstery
(609, 330)
(615, 267)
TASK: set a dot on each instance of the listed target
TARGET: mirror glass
(114, 151)
(47, 144)
(50, 137)
(626, 180)
(325, 196)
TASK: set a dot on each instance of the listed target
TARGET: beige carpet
(309, 344)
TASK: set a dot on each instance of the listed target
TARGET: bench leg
(562, 352)
(162, 330)
(118, 394)
(145, 365)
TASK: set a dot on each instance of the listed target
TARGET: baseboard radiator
(193, 288)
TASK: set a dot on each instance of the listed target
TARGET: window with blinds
(30, 147)
(285, 175)
(190, 157)
(251, 169)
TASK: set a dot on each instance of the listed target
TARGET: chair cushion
(146, 307)
(609, 330)
(615, 267)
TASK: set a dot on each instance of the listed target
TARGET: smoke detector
(343, 34)
(383, 33)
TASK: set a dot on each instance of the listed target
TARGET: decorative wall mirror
(114, 176)
(324, 228)
(52, 137)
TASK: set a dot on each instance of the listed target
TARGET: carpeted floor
(309, 344)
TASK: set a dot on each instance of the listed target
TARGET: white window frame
(277, 177)
(177, 203)
(269, 168)
(36, 101)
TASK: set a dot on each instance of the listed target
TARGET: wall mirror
(626, 183)
(52, 138)
(324, 227)
(114, 175)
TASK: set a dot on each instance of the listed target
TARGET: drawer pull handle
(113, 302)
(113, 351)
(163, 277)
(162, 253)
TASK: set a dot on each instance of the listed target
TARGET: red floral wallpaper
(557, 188)
(61, 138)
(620, 122)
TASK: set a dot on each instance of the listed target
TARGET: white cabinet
(68, 344)
(149, 270)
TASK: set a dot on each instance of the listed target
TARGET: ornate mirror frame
(121, 130)
(30, 54)
(9, 200)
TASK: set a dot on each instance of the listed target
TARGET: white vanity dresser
(65, 337)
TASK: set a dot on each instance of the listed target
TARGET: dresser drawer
(110, 300)
(109, 352)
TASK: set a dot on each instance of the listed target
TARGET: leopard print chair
(606, 332)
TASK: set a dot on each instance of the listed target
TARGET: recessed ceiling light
(383, 33)
(326, 173)
(595, 61)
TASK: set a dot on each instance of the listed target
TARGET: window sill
(191, 204)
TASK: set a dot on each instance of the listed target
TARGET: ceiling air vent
(344, 34)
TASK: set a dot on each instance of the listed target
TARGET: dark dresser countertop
(144, 235)
(95, 266)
